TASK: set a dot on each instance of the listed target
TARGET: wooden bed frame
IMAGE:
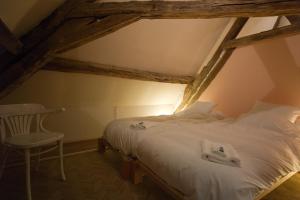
(134, 170)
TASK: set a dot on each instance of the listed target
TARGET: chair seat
(33, 139)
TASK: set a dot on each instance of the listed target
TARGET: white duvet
(172, 150)
(122, 137)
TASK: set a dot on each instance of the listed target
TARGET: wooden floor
(92, 176)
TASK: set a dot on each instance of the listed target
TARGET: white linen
(271, 121)
(172, 152)
(284, 111)
(124, 138)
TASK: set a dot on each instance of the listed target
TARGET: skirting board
(71, 148)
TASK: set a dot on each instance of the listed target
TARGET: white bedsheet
(173, 151)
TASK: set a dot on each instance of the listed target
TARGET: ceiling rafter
(63, 38)
(84, 30)
(9, 40)
(277, 22)
(75, 66)
(40, 33)
(294, 19)
(208, 73)
(190, 9)
(270, 34)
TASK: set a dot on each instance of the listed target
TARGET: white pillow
(197, 109)
(262, 106)
(289, 112)
(269, 120)
(218, 115)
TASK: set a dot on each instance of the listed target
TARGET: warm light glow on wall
(297, 121)
(143, 110)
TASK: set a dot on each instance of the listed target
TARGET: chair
(17, 133)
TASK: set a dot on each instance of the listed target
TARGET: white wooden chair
(17, 133)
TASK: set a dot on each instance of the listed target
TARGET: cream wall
(268, 71)
(91, 100)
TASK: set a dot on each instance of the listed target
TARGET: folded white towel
(222, 154)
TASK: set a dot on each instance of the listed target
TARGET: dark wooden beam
(277, 22)
(8, 40)
(294, 19)
(74, 66)
(50, 36)
(71, 33)
(209, 72)
(274, 33)
(40, 33)
(84, 30)
(191, 9)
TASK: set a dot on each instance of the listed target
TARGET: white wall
(90, 100)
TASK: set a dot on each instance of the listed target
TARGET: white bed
(175, 155)
(119, 134)
(171, 148)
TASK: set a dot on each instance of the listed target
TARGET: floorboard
(92, 176)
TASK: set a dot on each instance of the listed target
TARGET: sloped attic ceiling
(176, 47)
(94, 19)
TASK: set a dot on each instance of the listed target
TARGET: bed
(169, 150)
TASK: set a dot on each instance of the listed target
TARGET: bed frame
(134, 170)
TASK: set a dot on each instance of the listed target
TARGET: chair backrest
(20, 108)
(17, 119)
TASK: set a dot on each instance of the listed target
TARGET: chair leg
(61, 159)
(37, 165)
(28, 183)
(3, 162)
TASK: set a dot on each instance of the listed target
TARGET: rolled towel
(218, 149)
(228, 157)
(139, 125)
(142, 125)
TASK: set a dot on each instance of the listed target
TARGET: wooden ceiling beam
(74, 66)
(9, 40)
(50, 36)
(40, 33)
(84, 30)
(270, 34)
(190, 9)
(194, 90)
(150, 9)
(294, 19)
(72, 33)
(277, 22)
